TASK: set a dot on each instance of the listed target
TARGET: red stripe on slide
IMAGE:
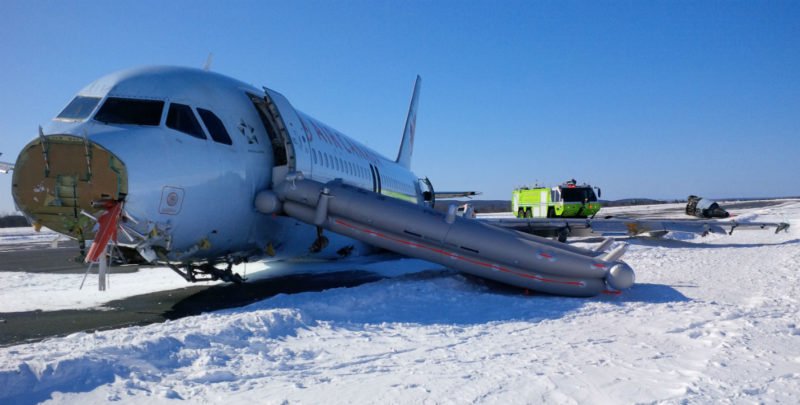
(456, 256)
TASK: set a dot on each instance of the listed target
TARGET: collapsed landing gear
(207, 272)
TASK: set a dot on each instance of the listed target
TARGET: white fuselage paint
(199, 190)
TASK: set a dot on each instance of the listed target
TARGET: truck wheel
(551, 212)
(528, 213)
(520, 213)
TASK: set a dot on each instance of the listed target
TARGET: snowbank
(710, 320)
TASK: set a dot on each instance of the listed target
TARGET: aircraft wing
(6, 167)
(455, 194)
(625, 226)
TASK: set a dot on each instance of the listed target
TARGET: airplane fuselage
(187, 151)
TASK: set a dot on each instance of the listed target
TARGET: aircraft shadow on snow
(237, 295)
(434, 296)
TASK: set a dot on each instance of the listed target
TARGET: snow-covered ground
(20, 291)
(710, 320)
(15, 236)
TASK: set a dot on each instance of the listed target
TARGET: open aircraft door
(290, 148)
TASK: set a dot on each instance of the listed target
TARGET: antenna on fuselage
(209, 59)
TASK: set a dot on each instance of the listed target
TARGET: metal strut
(564, 233)
(320, 215)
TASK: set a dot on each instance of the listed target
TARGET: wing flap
(455, 194)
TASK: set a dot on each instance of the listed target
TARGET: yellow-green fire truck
(568, 200)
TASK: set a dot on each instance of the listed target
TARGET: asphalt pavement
(30, 326)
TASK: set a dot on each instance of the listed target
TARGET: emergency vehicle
(568, 200)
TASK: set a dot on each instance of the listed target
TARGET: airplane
(199, 172)
(5, 167)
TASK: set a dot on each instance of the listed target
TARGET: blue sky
(644, 99)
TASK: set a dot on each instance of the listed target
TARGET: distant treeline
(13, 221)
(635, 201)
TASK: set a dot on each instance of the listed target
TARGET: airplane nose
(57, 176)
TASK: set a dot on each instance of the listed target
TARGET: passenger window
(79, 108)
(130, 111)
(215, 127)
(181, 118)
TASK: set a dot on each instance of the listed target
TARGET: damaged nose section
(56, 177)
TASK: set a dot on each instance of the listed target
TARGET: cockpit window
(130, 111)
(181, 118)
(215, 127)
(79, 108)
